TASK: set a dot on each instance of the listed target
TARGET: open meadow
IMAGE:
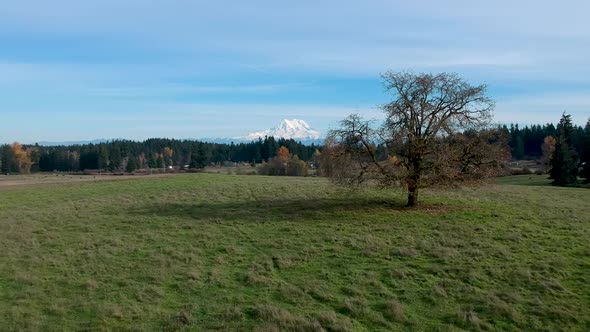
(228, 252)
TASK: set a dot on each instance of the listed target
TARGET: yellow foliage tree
(22, 158)
(283, 154)
(548, 148)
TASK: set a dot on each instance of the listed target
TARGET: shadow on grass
(265, 210)
(535, 181)
(525, 180)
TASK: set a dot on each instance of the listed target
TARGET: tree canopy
(564, 162)
(435, 132)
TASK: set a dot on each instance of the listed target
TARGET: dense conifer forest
(124, 155)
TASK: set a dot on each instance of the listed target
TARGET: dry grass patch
(332, 322)
(405, 252)
(259, 275)
(394, 311)
(443, 253)
(233, 313)
(469, 319)
(439, 291)
(179, 321)
(355, 307)
(289, 293)
(274, 317)
(498, 307)
(319, 292)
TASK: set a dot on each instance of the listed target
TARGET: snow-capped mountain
(295, 129)
(290, 129)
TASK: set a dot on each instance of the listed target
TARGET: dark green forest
(527, 142)
(123, 155)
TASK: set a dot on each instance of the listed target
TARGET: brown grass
(278, 319)
(394, 311)
(406, 252)
(332, 322)
(355, 307)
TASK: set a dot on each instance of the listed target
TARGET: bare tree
(435, 132)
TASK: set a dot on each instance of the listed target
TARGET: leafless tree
(435, 132)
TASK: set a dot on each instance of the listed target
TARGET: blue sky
(75, 70)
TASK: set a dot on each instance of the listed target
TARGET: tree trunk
(413, 180)
(412, 195)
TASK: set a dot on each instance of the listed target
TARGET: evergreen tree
(35, 155)
(161, 162)
(564, 163)
(519, 152)
(199, 157)
(152, 160)
(586, 153)
(257, 156)
(103, 157)
(115, 159)
(88, 160)
(132, 165)
(7, 160)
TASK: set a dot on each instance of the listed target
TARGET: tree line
(530, 142)
(125, 155)
(527, 142)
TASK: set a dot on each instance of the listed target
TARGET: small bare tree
(435, 132)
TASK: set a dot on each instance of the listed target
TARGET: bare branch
(426, 135)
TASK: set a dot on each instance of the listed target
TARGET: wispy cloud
(176, 89)
(116, 68)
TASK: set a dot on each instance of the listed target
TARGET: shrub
(296, 167)
(523, 171)
(283, 165)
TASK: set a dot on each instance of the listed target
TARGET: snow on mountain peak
(290, 129)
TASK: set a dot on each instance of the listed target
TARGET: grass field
(226, 252)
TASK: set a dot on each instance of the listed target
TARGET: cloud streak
(250, 64)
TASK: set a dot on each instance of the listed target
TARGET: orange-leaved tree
(22, 158)
(283, 154)
(548, 148)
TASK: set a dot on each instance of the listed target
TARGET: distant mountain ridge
(295, 129)
(70, 143)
